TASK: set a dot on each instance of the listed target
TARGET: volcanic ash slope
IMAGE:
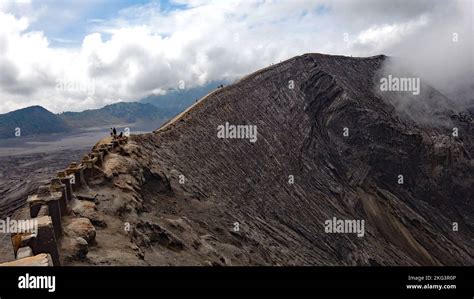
(187, 197)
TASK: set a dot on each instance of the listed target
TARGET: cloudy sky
(76, 55)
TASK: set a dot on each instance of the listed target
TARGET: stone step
(42, 260)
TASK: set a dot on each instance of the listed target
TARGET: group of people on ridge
(113, 133)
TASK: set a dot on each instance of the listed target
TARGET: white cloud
(380, 37)
(147, 50)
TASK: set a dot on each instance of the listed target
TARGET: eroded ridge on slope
(183, 196)
(300, 133)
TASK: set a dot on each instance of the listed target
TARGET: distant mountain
(37, 120)
(152, 110)
(175, 101)
(119, 113)
(31, 121)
